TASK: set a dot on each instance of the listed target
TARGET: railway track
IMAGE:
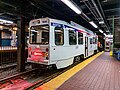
(12, 65)
(58, 72)
(5, 67)
(13, 80)
(31, 79)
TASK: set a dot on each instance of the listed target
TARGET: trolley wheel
(54, 67)
(95, 51)
(82, 58)
(77, 58)
(35, 66)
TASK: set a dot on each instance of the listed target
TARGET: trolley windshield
(39, 34)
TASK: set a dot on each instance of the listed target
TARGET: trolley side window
(91, 41)
(59, 36)
(39, 34)
(80, 38)
(72, 37)
(95, 40)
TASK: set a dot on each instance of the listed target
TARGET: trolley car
(57, 43)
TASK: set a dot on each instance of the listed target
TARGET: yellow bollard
(111, 53)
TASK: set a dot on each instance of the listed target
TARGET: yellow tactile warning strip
(56, 82)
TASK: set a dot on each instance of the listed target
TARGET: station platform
(99, 72)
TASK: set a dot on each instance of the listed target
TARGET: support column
(21, 44)
(0, 39)
(113, 32)
(0, 48)
(21, 37)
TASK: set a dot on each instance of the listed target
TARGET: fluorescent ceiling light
(34, 31)
(58, 31)
(101, 22)
(6, 21)
(101, 31)
(107, 30)
(1, 27)
(104, 34)
(93, 24)
(45, 27)
(29, 28)
(109, 35)
(72, 6)
(15, 28)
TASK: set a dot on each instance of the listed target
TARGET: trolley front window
(39, 34)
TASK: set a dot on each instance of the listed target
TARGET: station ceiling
(96, 10)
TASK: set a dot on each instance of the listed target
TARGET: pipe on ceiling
(89, 7)
(103, 14)
(100, 13)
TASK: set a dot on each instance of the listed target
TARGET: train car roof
(65, 23)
